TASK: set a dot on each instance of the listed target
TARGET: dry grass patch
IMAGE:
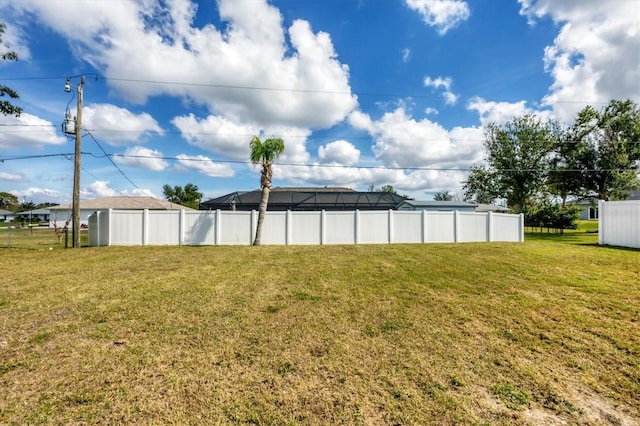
(400, 334)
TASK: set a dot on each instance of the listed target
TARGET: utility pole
(75, 213)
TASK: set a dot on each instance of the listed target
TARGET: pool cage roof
(306, 199)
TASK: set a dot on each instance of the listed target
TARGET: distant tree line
(10, 202)
(537, 166)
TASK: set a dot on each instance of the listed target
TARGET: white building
(60, 216)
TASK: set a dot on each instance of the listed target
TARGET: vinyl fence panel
(305, 228)
(163, 227)
(127, 227)
(199, 228)
(339, 228)
(406, 226)
(237, 228)
(472, 227)
(275, 230)
(373, 227)
(619, 223)
(503, 227)
(441, 227)
(180, 227)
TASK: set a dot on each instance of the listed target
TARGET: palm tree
(264, 153)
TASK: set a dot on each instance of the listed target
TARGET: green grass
(533, 333)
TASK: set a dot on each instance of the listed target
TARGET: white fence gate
(619, 223)
(182, 227)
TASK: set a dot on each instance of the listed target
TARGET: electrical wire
(331, 166)
(109, 156)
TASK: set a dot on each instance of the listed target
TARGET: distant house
(437, 205)
(6, 215)
(61, 215)
(37, 215)
(589, 206)
(306, 199)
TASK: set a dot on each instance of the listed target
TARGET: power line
(113, 163)
(334, 166)
(311, 138)
(278, 89)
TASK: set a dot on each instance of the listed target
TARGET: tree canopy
(517, 156)
(601, 157)
(533, 164)
(443, 196)
(189, 196)
(6, 107)
(8, 201)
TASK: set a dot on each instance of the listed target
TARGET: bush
(552, 216)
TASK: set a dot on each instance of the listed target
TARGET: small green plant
(511, 397)
(286, 368)
(303, 295)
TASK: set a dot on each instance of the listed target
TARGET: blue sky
(363, 92)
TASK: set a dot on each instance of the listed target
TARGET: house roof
(491, 208)
(33, 212)
(432, 203)
(124, 203)
(6, 212)
(312, 189)
(309, 199)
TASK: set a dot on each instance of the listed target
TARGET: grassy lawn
(543, 332)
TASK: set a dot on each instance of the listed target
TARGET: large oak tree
(518, 159)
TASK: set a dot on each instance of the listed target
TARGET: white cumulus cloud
(116, 125)
(204, 165)
(28, 132)
(11, 177)
(502, 112)
(441, 14)
(402, 141)
(101, 188)
(444, 84)
(339, 152)
(143, 158)
(256, 70)
(596, 54)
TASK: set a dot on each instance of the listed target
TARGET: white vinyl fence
(619, 223)
(182, 227)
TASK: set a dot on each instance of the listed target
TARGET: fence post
(490, 226)
(356, 227)
(109, 226)
(145, 227)
(390, 226)
(601, 216)
(521, 229)
(216, 239)
(287, 228)
(323, 226)
(181, 225)
(456, 226)
(424, 226)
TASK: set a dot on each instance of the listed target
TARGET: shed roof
(124, 203)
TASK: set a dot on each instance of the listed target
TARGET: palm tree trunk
(261, 213)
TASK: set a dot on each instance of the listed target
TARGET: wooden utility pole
(75, 207)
